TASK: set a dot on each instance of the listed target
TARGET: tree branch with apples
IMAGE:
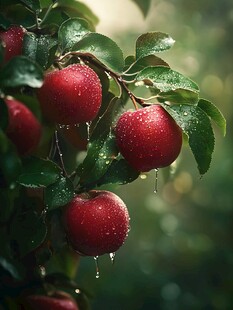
(64, 86)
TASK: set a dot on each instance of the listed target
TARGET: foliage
(33, 189)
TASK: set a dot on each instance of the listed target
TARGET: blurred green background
(179, 251)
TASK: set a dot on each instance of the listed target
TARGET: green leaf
(178, 96)
(41, 48)
(133, 66)
(10, 163)
(3, 115)
(151, 43)
(213, 112)
(165, 79)
(144, 6)
(103, 49)
(59, 193)
(39, 172)
(21, 15)
(34, 5)
(28, 230)
(196, 125)
(45, 3)
(98, 160)
(4, 23)
(101, 148)
(78, 9)
(21, 71)
(120, 172)
(10, 166)
(71, 32)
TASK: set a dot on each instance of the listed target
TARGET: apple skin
(96, 223)
(23, 130)
(71, 95)
(41, 302)
(13, 40)
(148, 138)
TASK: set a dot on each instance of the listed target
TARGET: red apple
(148, 138)
(13, 41)
(72, 95)
(23, 130)
(57, 302)
(96, 222)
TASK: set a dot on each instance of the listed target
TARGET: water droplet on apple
(112, 257)
(97, 267)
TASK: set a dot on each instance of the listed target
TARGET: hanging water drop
(112, 257)
(97, 267)
(88, 130)
(156, 181)
(143, 176)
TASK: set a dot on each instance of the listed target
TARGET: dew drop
(97, 275)
(88, 130)
(143, 176)
(185, 113)
(112, 257)
(156, 181)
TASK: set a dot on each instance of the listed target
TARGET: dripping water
(112, 257)
(88, 130)
(156, 181)
(97, 275)
(59, 152)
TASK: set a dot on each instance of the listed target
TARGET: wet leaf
(214, 113)
(133, 66)
(76, 8)
(196, 125)
(166, 79)
(71, 31)
(40, 49)
(39, 172)
(101, 148)
(59, 193)
(103, 49)
(178, 96)
(151, 43)
(21, 71)
(119, 173)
